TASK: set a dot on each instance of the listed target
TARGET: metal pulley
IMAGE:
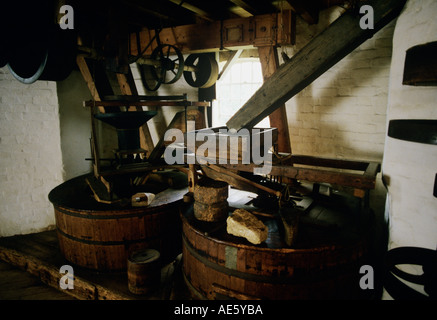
(34, 46)
(166, 66)
(204, 72)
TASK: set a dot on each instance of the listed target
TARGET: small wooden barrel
(101, 236)
(210, 200)
(144, 271)
(323, 264)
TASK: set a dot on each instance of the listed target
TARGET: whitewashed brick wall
(30, 154)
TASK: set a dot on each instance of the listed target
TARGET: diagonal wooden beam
(232, 59)
(318, 56)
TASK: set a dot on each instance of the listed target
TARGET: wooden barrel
(144, 271)
(101, 236)
(323, 264)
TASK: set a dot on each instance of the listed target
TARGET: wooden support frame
(359, 175)
(260, 30)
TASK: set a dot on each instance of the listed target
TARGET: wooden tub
(101, 236)
(324, 264)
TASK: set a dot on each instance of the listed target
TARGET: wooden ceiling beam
(262, 30)
(162, 14)
(255, 7)
(308, 10)
(198, 11)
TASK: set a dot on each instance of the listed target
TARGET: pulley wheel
(206, 73)
(50, 56)
(171, 64)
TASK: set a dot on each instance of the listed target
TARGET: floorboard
(16, 284)
(35, 259)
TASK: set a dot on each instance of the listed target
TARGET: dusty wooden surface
(17, 284)
(38, 255)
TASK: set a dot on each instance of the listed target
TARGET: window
(236, 86)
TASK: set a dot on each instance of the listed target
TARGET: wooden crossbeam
(261, 30)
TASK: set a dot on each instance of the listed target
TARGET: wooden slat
(320, 54)
(91, 103)
(86, 74)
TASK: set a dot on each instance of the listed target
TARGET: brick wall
(30, 154)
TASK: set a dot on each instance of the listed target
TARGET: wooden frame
(359, 175)
(261, 30)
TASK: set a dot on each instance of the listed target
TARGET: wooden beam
(231, 60)
(262, 30)
(86, 74)
(320, 54)
(345, 179)
(268, 57)
(198, 11)
(151, 103)
(255, 8)
(308, 10)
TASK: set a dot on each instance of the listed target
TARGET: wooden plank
(236, 32)
(16, 284)
(91, 103)
(50, 275)
(278, 119)
(372, 169)
(231, 177)
(320, 54)
(86, 74)
(328, 162)
(231, 60)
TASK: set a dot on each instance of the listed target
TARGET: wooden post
(278, 119)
